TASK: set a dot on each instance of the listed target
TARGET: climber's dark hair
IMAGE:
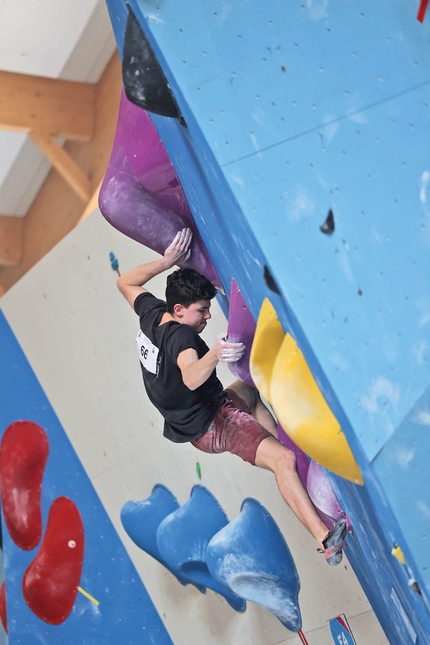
(186, 286)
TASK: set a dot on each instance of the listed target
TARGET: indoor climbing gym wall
(291, 138)
(111, 533)
(296, 133)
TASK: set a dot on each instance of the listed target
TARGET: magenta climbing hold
(51, 581)
(3, 613)
(23, 455)
(141, 195)
(241, 329)
(322, 496)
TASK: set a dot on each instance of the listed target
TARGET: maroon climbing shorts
(234, 430)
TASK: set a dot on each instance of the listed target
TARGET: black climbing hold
(413, 584)
(269, 280)
(144, 81)
(328, 226)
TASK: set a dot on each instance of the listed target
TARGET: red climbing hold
(3, 615)
(422, 10)
(23, 454)
(51, 581)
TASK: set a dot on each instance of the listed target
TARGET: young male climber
(179, 375)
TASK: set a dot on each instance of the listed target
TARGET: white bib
(148, 353)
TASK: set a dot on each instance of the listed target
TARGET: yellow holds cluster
(282, 376)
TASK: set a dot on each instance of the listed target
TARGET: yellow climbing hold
(304, 414)
(398, 553)
(266, 344)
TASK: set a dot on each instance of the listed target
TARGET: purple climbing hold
(315, 481)
(324, 499)
(241, 329)
(141, 195)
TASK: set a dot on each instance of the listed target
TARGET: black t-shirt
(187, 413)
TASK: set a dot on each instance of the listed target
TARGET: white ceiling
(68, 39)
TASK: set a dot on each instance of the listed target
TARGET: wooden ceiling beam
(11, 240)
(92, 204)
(57, 209)
(64, 165)
(60, 108)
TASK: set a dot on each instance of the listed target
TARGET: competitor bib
(148, 353)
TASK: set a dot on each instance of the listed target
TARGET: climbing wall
(296, 132)
(73, 371)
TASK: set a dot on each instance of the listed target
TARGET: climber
(179, 375)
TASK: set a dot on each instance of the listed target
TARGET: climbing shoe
(334, 542)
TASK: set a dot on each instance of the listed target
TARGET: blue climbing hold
(183, 536)
(250, 557)
(142, 519)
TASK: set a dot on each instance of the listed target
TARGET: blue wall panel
(409, 498)
(126, 613)
(266, 154)
(331, 150)
(360, 294)
(337, 59)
